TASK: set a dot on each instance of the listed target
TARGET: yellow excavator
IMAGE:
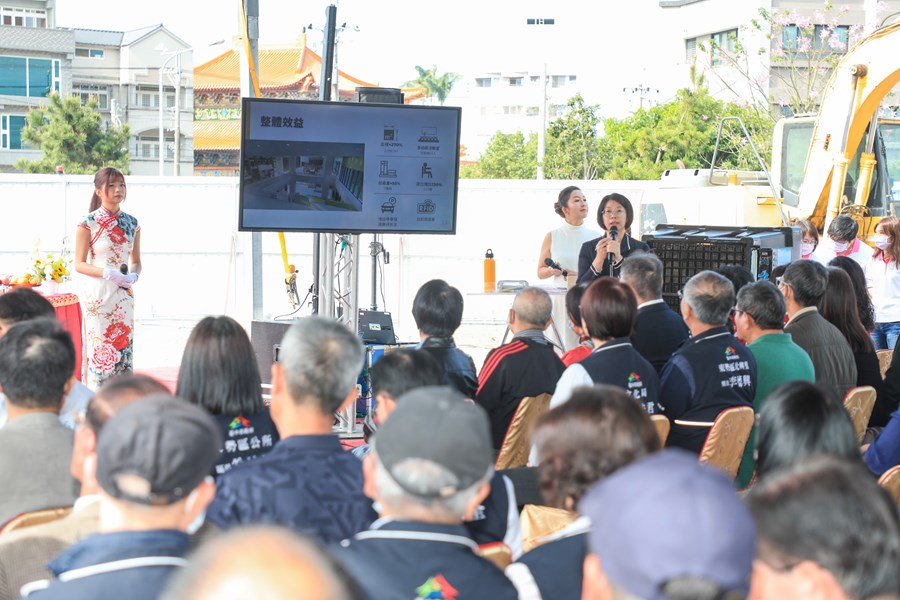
(853, 154)
(845, 160)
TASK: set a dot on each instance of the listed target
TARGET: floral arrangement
(50, 267)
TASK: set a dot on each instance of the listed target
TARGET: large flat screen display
(348, 167)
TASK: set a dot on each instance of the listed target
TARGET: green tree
(507, 156)
(682, 133)
(72, 134)
(573, 149)
(438, 86)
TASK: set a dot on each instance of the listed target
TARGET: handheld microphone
(555, 265)
(123, 269)
(613, 233)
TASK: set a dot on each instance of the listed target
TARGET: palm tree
(438, 86)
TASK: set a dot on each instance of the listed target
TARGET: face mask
(881, 241)
(806, 249)
(195, 525)
(840, 246)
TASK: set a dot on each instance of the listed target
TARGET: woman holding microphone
(602, 256)
(561, 246)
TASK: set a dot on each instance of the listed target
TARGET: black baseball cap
(437, 424)
(156, 450)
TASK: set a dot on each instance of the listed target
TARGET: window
(572, 78)
(100, 93)
(11, 127)
(515, 81)
(535, 78)
(512, 110)
(483, 82)
(29, 77)
(690, 50)
(532, 111)
(23, 17)
(89, 52)
(831, 39)
(558, 81)
(789, 37)
(723, 41)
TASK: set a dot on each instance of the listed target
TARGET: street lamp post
(162, 103)
(542, 106)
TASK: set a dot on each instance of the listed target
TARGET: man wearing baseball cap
(428, 471)
(667, 528)
(153, 463)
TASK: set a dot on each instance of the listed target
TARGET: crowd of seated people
(211, 493)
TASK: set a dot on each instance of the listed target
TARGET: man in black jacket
(527, 366)
(659, 330)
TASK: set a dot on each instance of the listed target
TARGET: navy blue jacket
(497, 519)
(307, 482)
(459, 368)
(556, 565)
(588, 253)
(400, 560)
(658, 332)
(709, 373)
(162, 550)
(617, 363)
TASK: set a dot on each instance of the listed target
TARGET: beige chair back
(890, 481)
(724, 445)
(884, 360)
(496, 552)
(35, 517)
(662, 425)
(517, 442)
(859, 403)
(539, 521)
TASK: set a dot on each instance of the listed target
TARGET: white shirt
(565, 244)
(825, 252)
(883, 281)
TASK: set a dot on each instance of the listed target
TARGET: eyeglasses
(735, 311)
(614, 213)
(779, 281)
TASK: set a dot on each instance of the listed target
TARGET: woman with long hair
(219, 373)
(108, 254)
(838, 306)
(884, 281)
(562, 244)
(858, 278)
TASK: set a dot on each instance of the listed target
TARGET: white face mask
(840, 246)
(881, 241)
(806, 249)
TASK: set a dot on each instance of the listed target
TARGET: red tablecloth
(68, 311)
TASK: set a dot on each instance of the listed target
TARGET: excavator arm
(850, 104)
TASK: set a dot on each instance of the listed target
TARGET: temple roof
(293, 67)
(217, 135)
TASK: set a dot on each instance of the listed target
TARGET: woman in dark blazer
(603, 256)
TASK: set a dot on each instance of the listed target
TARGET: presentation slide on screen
(348, 167)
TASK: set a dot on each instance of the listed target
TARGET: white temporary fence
(197, 263)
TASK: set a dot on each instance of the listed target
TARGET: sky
(463, 36)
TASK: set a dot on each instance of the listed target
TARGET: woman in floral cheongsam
(104, 242)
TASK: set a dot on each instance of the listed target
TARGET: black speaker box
(265, 336)
(378, 95)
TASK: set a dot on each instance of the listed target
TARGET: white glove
(117, 277)
(131, 278)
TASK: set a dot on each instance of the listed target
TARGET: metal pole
(542, 130)
(177, 114)
(251, 10)
(324, 96)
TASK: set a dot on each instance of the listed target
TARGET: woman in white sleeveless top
(563, 243)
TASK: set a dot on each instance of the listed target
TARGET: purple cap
(668, 516)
